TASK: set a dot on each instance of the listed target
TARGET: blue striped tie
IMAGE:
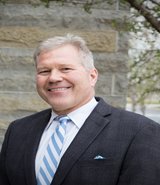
(52, 154)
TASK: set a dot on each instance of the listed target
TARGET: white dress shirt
(78, 118)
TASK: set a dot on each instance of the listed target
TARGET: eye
(43, 72)
(66, 69)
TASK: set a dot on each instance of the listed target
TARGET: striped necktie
(52, 154)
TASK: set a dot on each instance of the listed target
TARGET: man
(101, 145)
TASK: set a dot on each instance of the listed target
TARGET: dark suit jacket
(129, 145)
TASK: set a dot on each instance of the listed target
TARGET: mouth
(58, 89)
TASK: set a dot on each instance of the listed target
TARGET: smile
(58, 89)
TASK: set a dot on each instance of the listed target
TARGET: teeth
(57, 89)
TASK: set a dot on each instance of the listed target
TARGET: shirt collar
(79, 115)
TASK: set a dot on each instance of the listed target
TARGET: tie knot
(63, 119)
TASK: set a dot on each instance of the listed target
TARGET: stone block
(123, 42)
(111, 62)
(21, 101)
(16, 1)
(80, 3)
(119, 84)
(99, 41)
(12, 80)
(17, 59)
(62, 17)
(104, 84)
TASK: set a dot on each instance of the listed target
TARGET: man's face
(62, 81)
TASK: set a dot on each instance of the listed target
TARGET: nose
(55, 76)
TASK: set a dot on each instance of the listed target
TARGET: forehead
(64, 54)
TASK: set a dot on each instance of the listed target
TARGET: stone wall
(23, 24)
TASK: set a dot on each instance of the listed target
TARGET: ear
(93, 76)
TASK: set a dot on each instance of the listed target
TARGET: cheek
(40, 81)
(84, 83)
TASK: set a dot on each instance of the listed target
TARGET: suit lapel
(33, 140)
(87, 134)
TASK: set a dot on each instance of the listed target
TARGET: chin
(59, 106)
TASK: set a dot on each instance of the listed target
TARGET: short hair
(58, 41)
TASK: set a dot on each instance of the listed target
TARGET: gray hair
(78, 42)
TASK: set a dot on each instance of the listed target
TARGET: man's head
(66, 75)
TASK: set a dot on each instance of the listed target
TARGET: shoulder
(124, 118)
(32, 119)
